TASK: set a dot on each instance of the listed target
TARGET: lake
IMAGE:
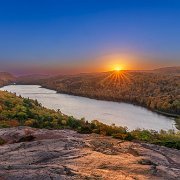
(121, 114)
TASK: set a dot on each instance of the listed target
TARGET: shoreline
(174, 118)
(110, 100)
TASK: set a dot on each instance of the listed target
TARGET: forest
(159, 92)
(18, 111)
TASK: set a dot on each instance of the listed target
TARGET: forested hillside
(15, 111)
(156, 91)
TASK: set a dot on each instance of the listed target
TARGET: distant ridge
(6, 78)
(32, 78)
(175, 69)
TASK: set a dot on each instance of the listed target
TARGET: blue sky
(63, 32)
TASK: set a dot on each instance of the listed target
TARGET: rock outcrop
(37, 154)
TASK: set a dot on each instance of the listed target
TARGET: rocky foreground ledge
(37, 154)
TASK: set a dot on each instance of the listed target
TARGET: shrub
(143, 135)
(123, 136)
(170, 144)
(29, 122)
(4, 124)
(13, 123)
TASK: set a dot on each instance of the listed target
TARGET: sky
(72, 36)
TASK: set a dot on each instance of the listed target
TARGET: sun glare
(118, 77)
(117, 68)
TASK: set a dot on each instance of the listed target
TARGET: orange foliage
(13, 123)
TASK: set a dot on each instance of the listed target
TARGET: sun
(117, 77)
(117, 68)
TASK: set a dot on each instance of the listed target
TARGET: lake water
(121, 114)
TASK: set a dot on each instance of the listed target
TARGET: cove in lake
(121, 114)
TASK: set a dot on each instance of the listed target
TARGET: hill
(169, 70)
(6, 78)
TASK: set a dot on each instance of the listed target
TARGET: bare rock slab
(35, 154)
